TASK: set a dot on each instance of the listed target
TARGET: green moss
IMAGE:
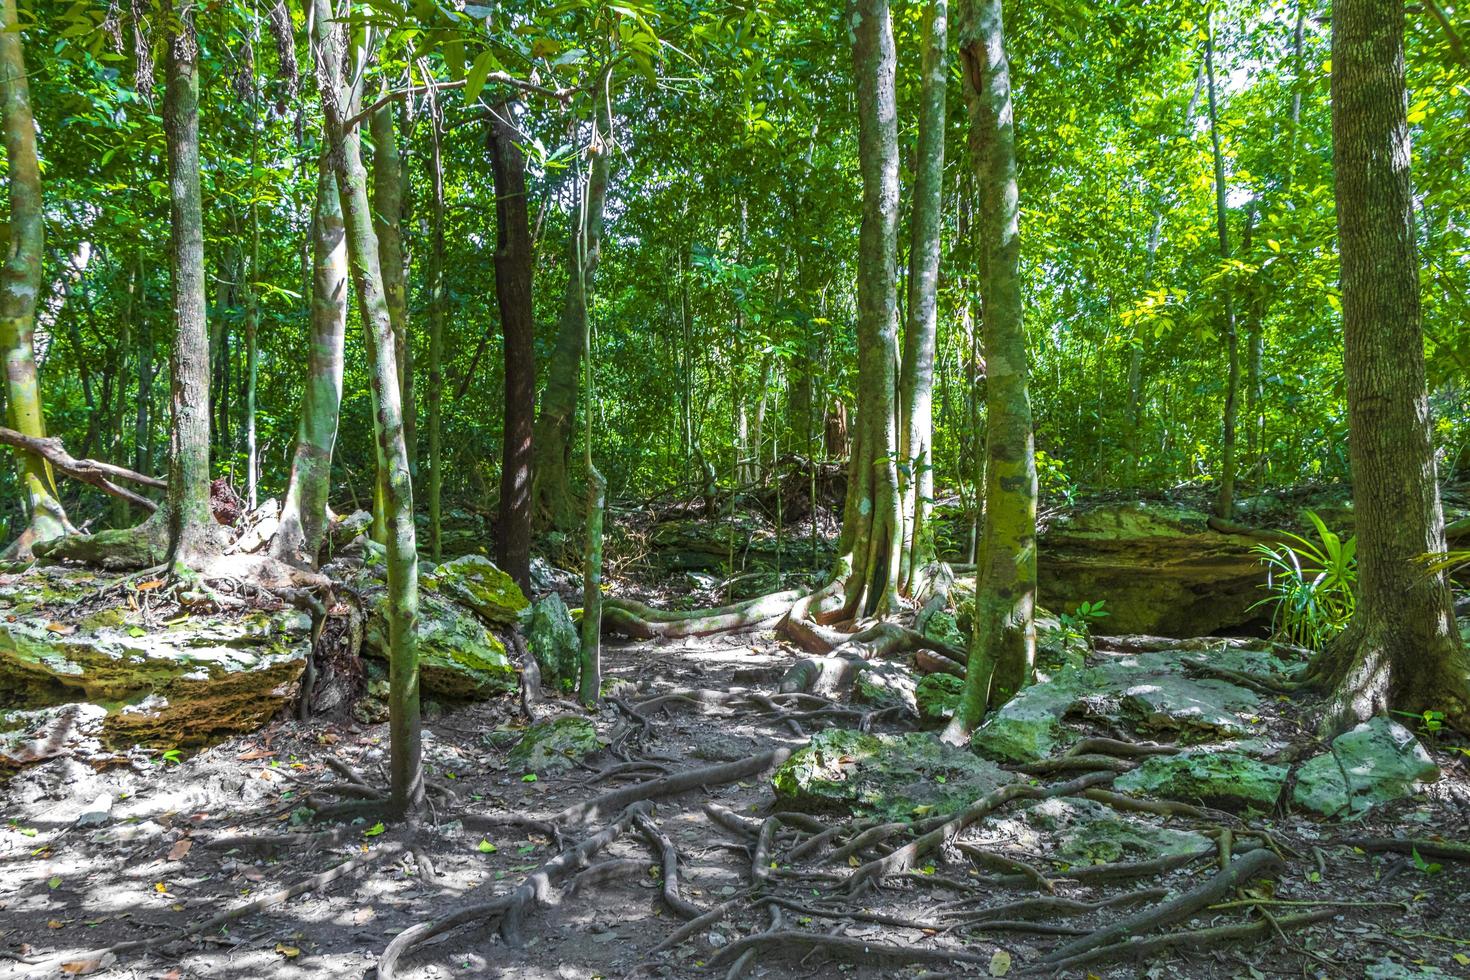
(553, 746)
(1228, 778)
(475, 581)
(459, 659)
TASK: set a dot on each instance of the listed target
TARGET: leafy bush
(1311, 584)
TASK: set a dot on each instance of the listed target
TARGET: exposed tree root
(858, 950)
(1193, 938)
(1444, 850)
(668, 857)
(644, 622)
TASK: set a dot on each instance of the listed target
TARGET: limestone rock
(1229, 779)
(891, 776)
(1029, 726)
(553, 640)
(1090, 833)
(937, 696)
(884, 684)
(1378, 761)
(459, 659)
(475, 581)
(554, 746)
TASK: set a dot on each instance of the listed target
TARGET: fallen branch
(91, 471)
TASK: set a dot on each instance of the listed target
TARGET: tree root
(1077, 763)
(1444, 850)
(1000, 862)
(903, 858)
(668, 857)
(1193, 938)
(1244, 868)
(1053, 906)
(859, 950)
(644, 622)
(1115, 871)
(1159, 808)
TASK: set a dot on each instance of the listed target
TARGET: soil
(149, 870)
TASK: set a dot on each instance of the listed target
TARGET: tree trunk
(513, 272)
(304, 513)
(387, 204)
(551, 489)
(916, 385)
(338, 103)
(872, 527)
(1402, 650)
(252, 316)
(437, 301)
(192, 530)
(1225, 500)
(1003, 644)
(20, 286)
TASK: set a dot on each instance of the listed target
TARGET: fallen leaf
(1000, 963)
(160, 887)
(374, 830)
(62, 628)
(290, 952)
(252, 874)
(54, 882)
(180, 848)
(485, 847)
(55, 924)
(149, 585)
(252, 756)
(79, 968)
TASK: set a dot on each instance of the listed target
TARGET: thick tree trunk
(20, 286)
(338, 102)
(192, 531)
(551, 491)
(872, 527)
(304, 513)
(1402, 650)
(916, 384)
(1225, 499)
(513, 272)
(1003, 645)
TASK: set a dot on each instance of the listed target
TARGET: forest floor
(159, 862)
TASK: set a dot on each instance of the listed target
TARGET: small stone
(1219, 778)
(554, 746)
(98, 813)
(717, 939)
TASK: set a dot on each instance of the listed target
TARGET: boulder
(884, 684)
(1160, 567)
(554, 746)
(459, 659)
(475, 581)
(191, 682)
(1228, 779)
(553, 640)
(889, 776)
(1028, 727)
(1378, 761)
(937, 695)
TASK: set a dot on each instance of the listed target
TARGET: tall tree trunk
(20, 286)
(338, 103)
(551, 489)
(513, 272)
(1402, 650)
(143, 419)
(872, 527)
(916, 384)
(437, 302)
(252, 314)
(387, 204)
(304, 513)
(1003, 644)
(192, 530)
(1225, 500)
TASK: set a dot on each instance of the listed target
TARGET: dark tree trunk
(513, 265)
(1402, 650)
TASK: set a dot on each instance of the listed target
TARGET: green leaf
(374, 830)
(529, 777)
(485, 847)
(474, 81)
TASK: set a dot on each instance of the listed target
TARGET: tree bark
(1003, 645)
(20, 286)
(437, 302)
(551, 491)
(387, 204)
(1402, 650)
(1225, 499)
(916, 384)
(872, 526)
(304, 512)
(338, 104)
(513, 273)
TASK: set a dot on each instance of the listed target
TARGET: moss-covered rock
(553, 641)
(198, 679)
(937, 696)
(1228, 779)
(886, 685)
(475, 581)
(1378, 761)
(1029, 726)
(554, 746)
(459, 659)
(1090, 833)
(943, 627)
(892, 776)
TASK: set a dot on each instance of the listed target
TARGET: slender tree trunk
(437, 301)
(143, 420)
(872, 527)
(1225, 500)
(514, 263)
(551, 489)
(338, 104)
(916, 384)
(252, 315)
(1402, 650)
(304, 513)
(387, 204)
(20, 286)
(192, 531)
(1003, 644)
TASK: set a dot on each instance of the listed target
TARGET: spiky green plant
(1311, 585)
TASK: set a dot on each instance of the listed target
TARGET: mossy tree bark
(387, 203)
(513, 272)
(872, 527)
(551, 492)
(1225, 498)
(916, 383)
(1003, 645)
(338, 102)
(304, 513)
(20, 286)
(437, 302)
(1402, 650)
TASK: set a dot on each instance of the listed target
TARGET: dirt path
(154, 867)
